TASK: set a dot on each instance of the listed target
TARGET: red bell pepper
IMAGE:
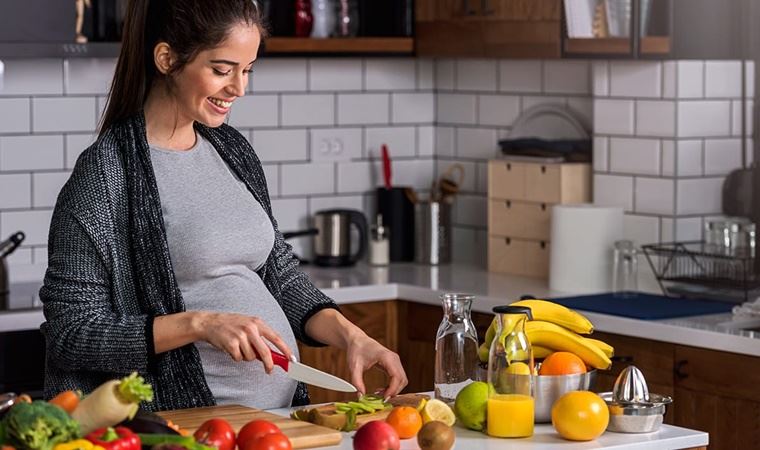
(120, 438)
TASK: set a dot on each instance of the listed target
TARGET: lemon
(518, 368)
(470, 405)
(437, 410)
(580, 416)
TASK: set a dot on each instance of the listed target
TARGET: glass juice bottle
(456, 347)
(510, 365)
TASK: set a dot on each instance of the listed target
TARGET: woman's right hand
(242, 337)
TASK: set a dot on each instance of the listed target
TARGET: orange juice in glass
(510, 415)
(510, 407)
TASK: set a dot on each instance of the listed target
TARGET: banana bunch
(556, 328)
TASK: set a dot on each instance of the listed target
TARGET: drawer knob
(543, 169)
(678, 369)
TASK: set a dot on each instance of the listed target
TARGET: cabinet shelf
(650, 45)
(359, 45)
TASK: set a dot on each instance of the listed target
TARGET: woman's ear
(163, 57)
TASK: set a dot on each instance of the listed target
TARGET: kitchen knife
(310, 375)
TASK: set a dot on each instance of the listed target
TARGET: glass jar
(510, 410)
(347, 18)
(625, 271)
(456, 347)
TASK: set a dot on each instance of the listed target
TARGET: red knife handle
(280, 360)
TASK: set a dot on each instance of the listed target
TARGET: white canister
(323, 12)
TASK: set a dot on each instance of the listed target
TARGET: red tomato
(271, 441)
(376, 435)
(216, 433)
(255, 429)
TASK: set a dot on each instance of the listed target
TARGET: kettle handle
(357, 218)
(7, 247)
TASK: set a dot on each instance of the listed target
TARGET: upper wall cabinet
(617, 28)
(488, 28)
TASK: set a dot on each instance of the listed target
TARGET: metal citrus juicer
(633, 409)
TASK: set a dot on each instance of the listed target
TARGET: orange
(580, 416)
(406, 420)
(562, 363)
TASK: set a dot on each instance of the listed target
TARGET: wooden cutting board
(361, 419)
(301, 434)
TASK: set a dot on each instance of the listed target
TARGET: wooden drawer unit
(518, 219)
(543, 183)
(518, 256)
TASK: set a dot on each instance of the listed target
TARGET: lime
(437, 410)
(470, 405)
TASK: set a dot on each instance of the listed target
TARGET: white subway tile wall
(666, 133)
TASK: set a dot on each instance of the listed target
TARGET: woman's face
(208, 85)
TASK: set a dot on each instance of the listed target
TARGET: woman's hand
(244, 338)
(363, 353)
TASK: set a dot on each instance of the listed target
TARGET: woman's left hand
(364, 353)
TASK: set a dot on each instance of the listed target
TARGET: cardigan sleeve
(82, 329)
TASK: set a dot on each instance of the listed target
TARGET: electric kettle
(331, 231)
(6, 248)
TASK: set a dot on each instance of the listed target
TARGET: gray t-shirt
(219, 235)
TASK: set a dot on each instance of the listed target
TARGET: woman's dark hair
(188, 26)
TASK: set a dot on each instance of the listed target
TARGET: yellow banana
(483, 352)
(557, 314)
(490, 332)
(553, 336)
(541, 352)
(603, 346)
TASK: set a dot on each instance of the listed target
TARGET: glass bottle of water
(456, 347)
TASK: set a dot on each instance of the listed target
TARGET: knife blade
(309, 375)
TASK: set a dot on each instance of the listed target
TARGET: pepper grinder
(379, 250)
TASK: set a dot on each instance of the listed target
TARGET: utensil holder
(432, 229)
(398, 216)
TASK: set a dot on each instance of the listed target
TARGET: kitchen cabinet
(718, 392)
(643, 29)
(488, 28)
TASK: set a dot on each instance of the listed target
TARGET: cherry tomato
(216, 433)
(255, 429)
(271, 441)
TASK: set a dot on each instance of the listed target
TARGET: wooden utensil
(301, 434)
(449, 183)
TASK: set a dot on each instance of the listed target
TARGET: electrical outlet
(336, 144)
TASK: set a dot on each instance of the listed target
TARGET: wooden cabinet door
(653, 358)
(717, 392)
(733, 424)
(522, 28)
(378, 320)
(488, 28)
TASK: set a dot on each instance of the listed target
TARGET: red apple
(376, 435)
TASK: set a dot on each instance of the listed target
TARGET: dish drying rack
(696, 269)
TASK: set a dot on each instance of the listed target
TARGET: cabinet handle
(543, 169)
(485, 8)
(466, 9)
(680, 374)
(622, 359)
(509, 204)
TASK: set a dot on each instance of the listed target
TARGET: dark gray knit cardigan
(109, 271)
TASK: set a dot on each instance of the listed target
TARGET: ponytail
(188, 26)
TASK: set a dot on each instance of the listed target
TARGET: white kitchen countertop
(545, 438)
(424, 284)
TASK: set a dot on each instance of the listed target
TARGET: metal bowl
(548, 388)
(635, 417)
